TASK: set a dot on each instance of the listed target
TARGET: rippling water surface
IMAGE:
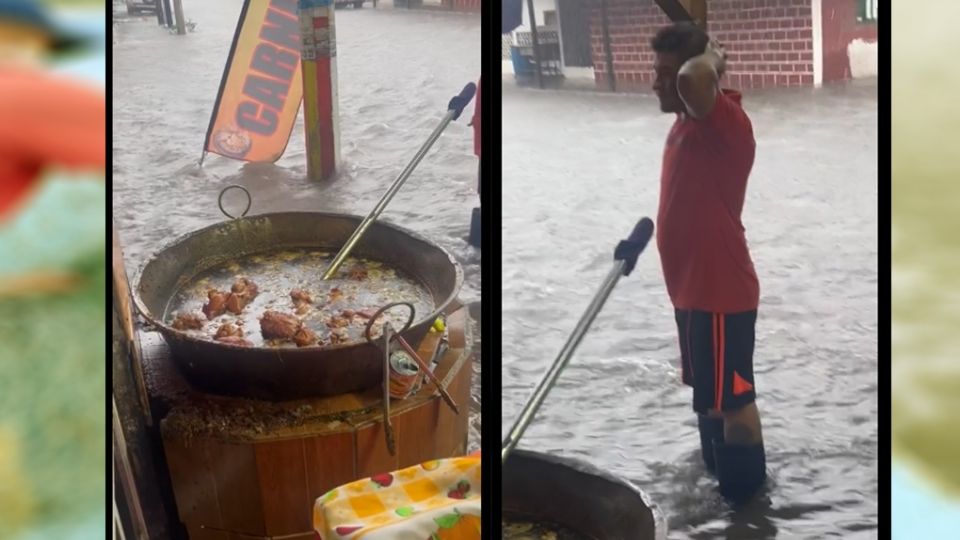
(397, 70)
(579, 170)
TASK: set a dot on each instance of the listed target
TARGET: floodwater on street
(579, 170)
(396, 70)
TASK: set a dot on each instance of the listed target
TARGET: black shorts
(716, 355)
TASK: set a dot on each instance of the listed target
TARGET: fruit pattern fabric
(436, 500)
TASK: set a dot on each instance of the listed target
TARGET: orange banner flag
(261, 90)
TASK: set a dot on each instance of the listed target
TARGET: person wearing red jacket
(50, 122)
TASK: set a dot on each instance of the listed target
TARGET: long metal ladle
(454, 109)
(625, 255)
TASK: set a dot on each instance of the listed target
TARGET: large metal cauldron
(282, 374)
(544, 488)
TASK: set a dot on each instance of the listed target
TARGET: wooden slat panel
(127, 480)
(417, 434)
(372, 454)
(232, 467)
(194, 487)
(265, 487)
(330, 462)
(124, 308)
(287, 506)
(453, 426)
(149, 483)
(202, 533)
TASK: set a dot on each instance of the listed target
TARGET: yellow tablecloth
(436, 500)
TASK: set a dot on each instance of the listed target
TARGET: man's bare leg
(740, 458)
(741, 426)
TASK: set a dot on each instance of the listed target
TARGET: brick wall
(769, 42)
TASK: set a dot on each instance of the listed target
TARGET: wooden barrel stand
(243, 469)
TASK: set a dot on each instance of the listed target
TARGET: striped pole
(319, 65)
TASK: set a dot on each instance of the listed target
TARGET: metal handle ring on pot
(381, 311)
(224, 191)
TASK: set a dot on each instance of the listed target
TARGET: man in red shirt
(703, 249)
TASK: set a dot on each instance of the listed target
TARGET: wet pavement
(397, 70)
(579, 169)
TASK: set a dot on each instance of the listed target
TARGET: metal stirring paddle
(625, 255)
(454, 109)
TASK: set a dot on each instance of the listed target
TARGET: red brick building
(770, 43)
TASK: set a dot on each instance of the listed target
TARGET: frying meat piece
(246, 287)
(300, 297)
(188, 321)
(235, 340)
(301, 300)
(216, 304)
(236, 303)
(304, 337)
(335, 294)
(228, 330)
(339, 335)
(336, 321)
(276, 325)
(357, 273)
(242, 293)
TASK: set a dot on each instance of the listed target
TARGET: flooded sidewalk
(580, 168)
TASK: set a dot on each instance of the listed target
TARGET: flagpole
(320, 109)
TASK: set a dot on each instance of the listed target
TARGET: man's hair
(685, 39)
